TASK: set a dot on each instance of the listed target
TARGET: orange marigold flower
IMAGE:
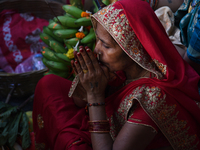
(80, 35)
(85, 14)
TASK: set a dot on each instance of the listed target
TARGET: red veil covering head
(144, 39)
(136, 28)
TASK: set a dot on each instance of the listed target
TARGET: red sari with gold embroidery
(167, 102)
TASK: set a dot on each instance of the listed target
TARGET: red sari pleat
(64, 124)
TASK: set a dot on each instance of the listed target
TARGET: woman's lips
(103, 64)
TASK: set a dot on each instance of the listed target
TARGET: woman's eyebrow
(101, 39)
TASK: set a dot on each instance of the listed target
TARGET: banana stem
(76, 47)
(88, 12)
(81, 29)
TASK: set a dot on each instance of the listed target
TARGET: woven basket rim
(6, 4)
(39, 8)
(49, 1)
(22, 74)
(27, 80)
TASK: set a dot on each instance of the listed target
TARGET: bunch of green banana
(73, 10)
(91, 37)
(49, 32)
(63, 35)
(106, 2)
(57, 63)
(77, 3)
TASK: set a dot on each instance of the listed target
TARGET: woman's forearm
(100, 141)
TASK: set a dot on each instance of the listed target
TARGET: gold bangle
(99, 126)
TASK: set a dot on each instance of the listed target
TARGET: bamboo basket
(24, 84)
(37, 7)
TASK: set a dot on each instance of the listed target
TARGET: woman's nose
(97, 47)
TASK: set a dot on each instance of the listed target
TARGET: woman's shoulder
(149, 90)
(150, 96)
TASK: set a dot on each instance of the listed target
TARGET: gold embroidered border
(154, 103)
(165, 116)
(154, 130)
(40, 121)
(114, 20)
(161, 67)
(135, 119)
(73, 86)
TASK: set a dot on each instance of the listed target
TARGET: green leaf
(4, 134)
(7, 113)
(2, 124)
(2, 105)
(13, 132)
(7, 128)
(3, 138)
(26, 140)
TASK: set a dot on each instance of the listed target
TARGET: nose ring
(98, 55)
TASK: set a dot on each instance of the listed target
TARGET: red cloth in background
(19, 36)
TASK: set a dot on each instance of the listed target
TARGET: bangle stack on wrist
(93, 104)
(99, 126)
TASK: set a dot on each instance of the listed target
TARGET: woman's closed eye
(106, 46)
(102, 43)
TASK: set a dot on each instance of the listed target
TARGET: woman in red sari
(152, 103)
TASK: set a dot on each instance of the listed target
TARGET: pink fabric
(19, 36)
